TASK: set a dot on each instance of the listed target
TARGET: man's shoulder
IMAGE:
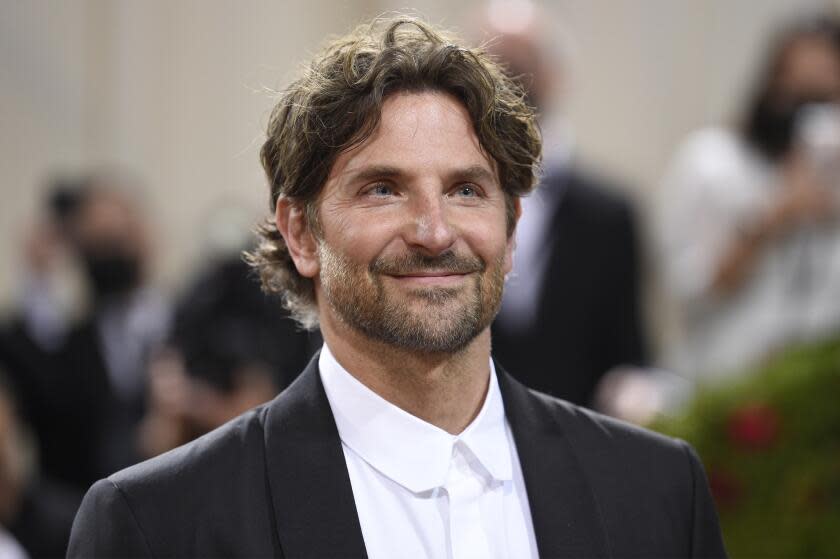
(212, 489)
(644, 493)
(586, 426)
(232, 447)
(607, 447)
(231, 458)
(630, 470)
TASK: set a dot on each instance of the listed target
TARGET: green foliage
(771, 446)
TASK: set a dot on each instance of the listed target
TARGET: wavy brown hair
(336, 104)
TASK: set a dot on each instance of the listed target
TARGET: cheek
(360, 238)
(491, 244)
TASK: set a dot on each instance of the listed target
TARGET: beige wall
(645, 72)
(174, 90)
(42, 120)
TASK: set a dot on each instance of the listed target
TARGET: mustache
(414, 262)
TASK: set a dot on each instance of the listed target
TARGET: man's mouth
(413, 265)
(430, 278)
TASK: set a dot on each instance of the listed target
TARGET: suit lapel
(565, 515)
(307, 475)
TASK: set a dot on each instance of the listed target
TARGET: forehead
(423, 132)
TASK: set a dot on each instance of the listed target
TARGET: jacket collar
(314, 508)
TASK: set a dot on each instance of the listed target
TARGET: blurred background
(681, 259)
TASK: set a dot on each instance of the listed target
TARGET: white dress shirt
(422, 492)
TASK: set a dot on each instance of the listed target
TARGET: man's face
(413, 246)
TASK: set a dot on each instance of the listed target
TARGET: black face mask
(771, 127)
(112, 272)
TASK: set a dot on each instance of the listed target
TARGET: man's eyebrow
(374, 172)
(472, 173)
(475, 173)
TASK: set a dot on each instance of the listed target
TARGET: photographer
(750, 222)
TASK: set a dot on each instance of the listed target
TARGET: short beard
(358, 297)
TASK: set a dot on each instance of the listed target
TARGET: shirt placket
(465, 489)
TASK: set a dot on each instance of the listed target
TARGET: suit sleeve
(105, 526)
(706, 539)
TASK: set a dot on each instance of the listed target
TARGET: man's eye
(467, 191)
(381, 190)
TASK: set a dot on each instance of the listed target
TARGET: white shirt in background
(716, 187)
(422, 492)
(9, 547)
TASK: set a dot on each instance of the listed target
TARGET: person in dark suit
(82, 382)
(393, 232)
(571, 311)
(585, 318)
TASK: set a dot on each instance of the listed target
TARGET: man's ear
(511, 242)
(290, 218)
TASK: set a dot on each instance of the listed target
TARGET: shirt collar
(404, 448)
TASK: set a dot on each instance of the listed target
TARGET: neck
(446, 390)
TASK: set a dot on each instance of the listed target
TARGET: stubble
(427, 320)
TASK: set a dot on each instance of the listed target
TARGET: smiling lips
(430, 277)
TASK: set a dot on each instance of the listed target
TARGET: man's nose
(429, 229)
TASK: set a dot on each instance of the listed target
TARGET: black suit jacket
(589, 318)
(274, 483)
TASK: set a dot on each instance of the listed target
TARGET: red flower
(754, 426)
(727, 490)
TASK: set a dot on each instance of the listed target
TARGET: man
(396, 164)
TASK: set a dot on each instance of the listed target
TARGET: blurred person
(750, 225)
(36, 514)
(232, 347)
(572, 307)
(47, 268)
(85, 382)
(396, 163)
(50, 298)
(105, 357)
(12, 475)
